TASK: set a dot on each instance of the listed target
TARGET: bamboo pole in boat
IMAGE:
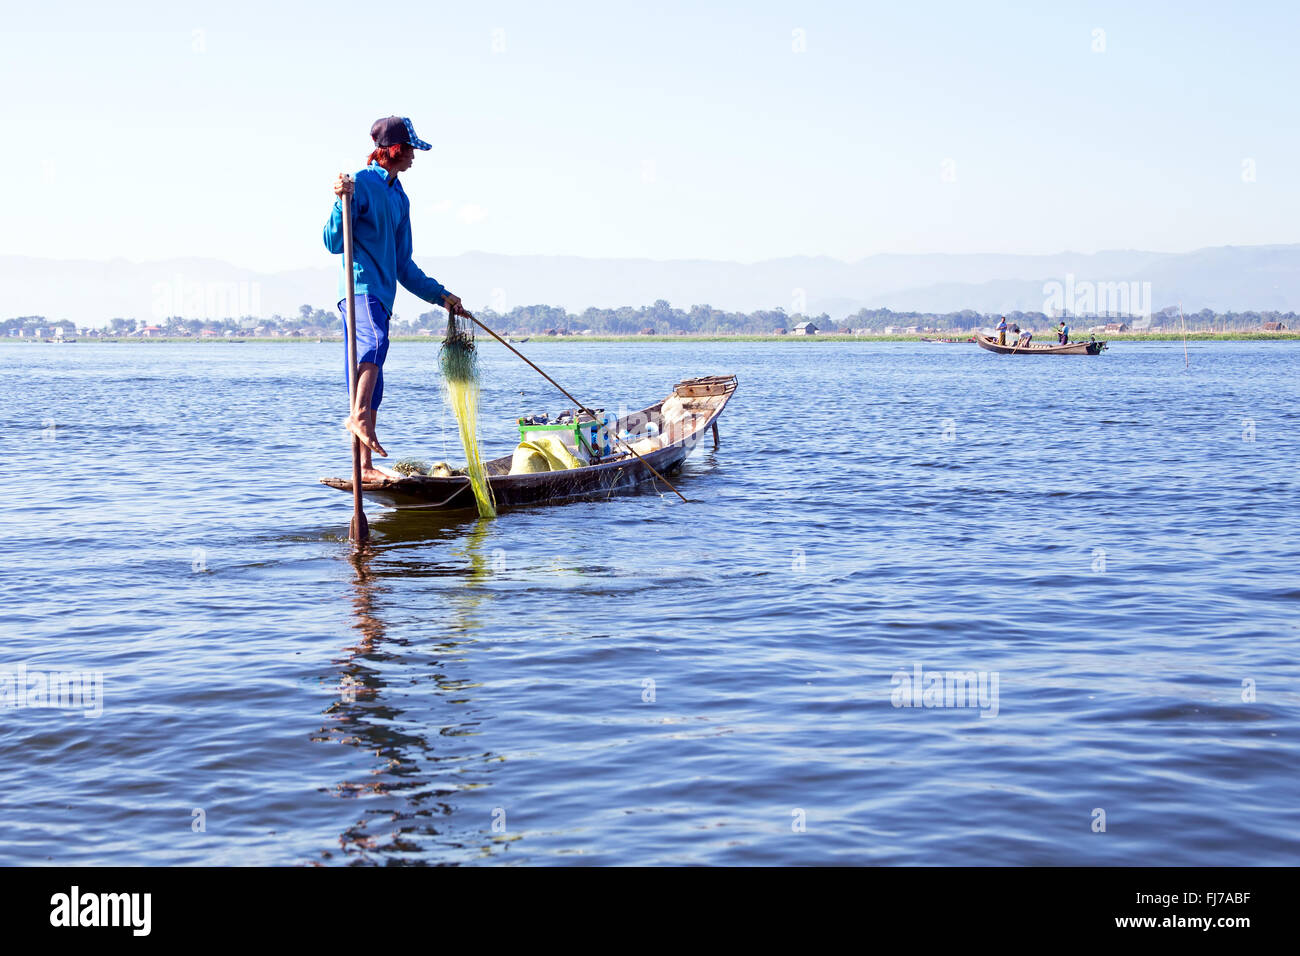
(359, 530)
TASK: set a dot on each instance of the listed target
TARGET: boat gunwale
(989, 343)
(663, 458)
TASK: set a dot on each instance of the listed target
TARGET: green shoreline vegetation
(661, 322)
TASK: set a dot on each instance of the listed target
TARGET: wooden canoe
(682, 419)
(1074, 348)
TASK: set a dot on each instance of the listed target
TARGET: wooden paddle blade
(359, 530)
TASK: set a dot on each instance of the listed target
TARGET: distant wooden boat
(680, 421)
(948, 341)
(1073, 348)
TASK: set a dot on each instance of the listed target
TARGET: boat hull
(1073, 348)
(622, 476)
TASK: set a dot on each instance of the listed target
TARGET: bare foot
(365, 433)
(372, 474)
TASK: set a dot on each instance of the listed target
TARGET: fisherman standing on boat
(1002, 331)
(381, 241)
(1025, 338)
(1060, 332)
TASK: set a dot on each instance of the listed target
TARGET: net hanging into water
(460, 378)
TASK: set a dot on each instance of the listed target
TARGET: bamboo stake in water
(1186, 361)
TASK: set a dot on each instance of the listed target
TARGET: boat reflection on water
(403, 695)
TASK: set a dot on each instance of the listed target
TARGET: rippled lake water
(1107, 547)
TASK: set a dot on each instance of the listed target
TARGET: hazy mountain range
(1226, 278)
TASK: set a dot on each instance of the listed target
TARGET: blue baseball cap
(392, 130)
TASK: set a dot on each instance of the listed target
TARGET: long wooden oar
(359, 530)
(581, 407)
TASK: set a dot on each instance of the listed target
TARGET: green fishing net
(459, 360)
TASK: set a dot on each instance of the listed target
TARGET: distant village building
(1116, 327)
(780, 332)
(1274, 327)
(805, 328)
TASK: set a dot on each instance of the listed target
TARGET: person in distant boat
(1060, 332)
(1065, 334)
(381, 246)
(1025, 338)
(1002, 331)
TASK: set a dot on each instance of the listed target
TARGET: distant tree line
(660, 319)
(29, 322)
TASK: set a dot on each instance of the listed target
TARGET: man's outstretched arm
(414, 280)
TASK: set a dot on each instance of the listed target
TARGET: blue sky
(689, 130)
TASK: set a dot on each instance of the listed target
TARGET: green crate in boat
(584, 439)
